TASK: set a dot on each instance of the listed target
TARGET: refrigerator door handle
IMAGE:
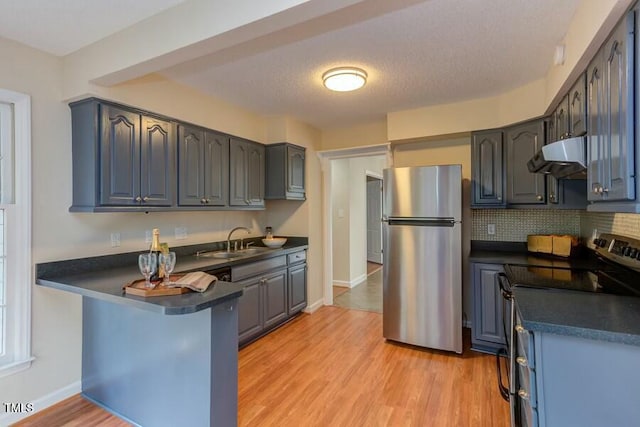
(423, 222)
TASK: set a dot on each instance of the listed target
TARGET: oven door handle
(506, 290)
(504, 391)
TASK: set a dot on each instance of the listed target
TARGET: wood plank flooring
(333, 368)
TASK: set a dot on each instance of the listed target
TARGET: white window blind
(15, 232)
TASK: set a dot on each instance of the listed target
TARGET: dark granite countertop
(587, 315)
(103, 277)
(592, 316)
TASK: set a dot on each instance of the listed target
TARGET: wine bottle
(156, 249)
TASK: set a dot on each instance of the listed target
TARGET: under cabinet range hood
(562, 159)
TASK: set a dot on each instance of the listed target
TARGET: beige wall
(453, 150)
(59, 234)
(340, 220)
(355, 136)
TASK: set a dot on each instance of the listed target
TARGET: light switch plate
(181, 233)
(115, 240)
(148, 236)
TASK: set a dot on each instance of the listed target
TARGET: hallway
(366, 296)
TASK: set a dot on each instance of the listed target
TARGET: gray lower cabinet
(487, 169)
(558, 378)
(488, 328)
(246, 179)
(203, 167)
(297, 298)
(122, 157)
(523, 141)
(285, 172)
(275, 289)
(263, 304)
(611, 140)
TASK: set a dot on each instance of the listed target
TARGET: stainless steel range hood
(562, 159)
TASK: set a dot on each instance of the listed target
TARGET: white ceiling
(432, 52)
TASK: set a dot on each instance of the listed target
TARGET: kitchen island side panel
(161, 370)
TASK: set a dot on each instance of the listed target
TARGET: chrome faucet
(231, 232)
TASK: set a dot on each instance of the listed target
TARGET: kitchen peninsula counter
(158, 361)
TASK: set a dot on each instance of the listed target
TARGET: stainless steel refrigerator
(422, 256)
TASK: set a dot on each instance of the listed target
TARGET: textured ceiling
(417, 52)
(435, 52)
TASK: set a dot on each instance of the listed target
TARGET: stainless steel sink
(251, 251)
(218, 254)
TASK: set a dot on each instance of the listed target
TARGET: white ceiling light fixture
(344, 79)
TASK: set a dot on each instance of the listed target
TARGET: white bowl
(276, 242)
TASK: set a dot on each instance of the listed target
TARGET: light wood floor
(333, 368)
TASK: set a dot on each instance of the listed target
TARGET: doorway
(336, 213)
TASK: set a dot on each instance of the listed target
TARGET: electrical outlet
(491, 229)
(115, 240)
(181, 233)
(148, 236)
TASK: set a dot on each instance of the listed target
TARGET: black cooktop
(607, 279)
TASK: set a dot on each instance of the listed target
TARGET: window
(15, 232)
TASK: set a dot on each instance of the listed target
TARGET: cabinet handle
(247, 202)
(138, 199)
(203, 201)
(145, 198)
(230, 308)
(207, 201)
(552, 196)
(523, 394)
(519, 328)
(499, 197)
(522, 361)
(539, 197)
(604, 190)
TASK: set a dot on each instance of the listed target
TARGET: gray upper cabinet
(610, 86)
(561, 119)
(487, 169)
(123, 159)
(522, 142)
(285, 172)
(246, 178)
(203, 167)
(578, 107)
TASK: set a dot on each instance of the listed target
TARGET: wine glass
(147, 263)
(168, 261)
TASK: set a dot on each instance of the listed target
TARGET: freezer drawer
(422, 283)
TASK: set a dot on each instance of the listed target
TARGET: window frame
(18, 239)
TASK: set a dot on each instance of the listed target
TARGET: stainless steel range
(611, 265)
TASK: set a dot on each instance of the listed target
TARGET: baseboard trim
(42, 403)
(352, 283)
(313, 307)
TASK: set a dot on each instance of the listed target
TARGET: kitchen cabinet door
(297, 289)
(203, 167)
(487, 171)
(246, 183)
(191, 166)
(285, 171)
(488, 330)
(578, 107)
(523, 141)
(274, 291)
(120, 157)
(567, 193)
(611, 141)
(216, 169)
(561, 119)
(250, 313)
(157, 162)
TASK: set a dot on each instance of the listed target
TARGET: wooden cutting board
(137, 287)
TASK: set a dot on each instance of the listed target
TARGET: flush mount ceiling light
(344, 79)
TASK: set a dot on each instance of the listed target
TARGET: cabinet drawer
(296, 257)
(253, 269)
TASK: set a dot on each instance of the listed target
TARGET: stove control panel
(621, 249)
